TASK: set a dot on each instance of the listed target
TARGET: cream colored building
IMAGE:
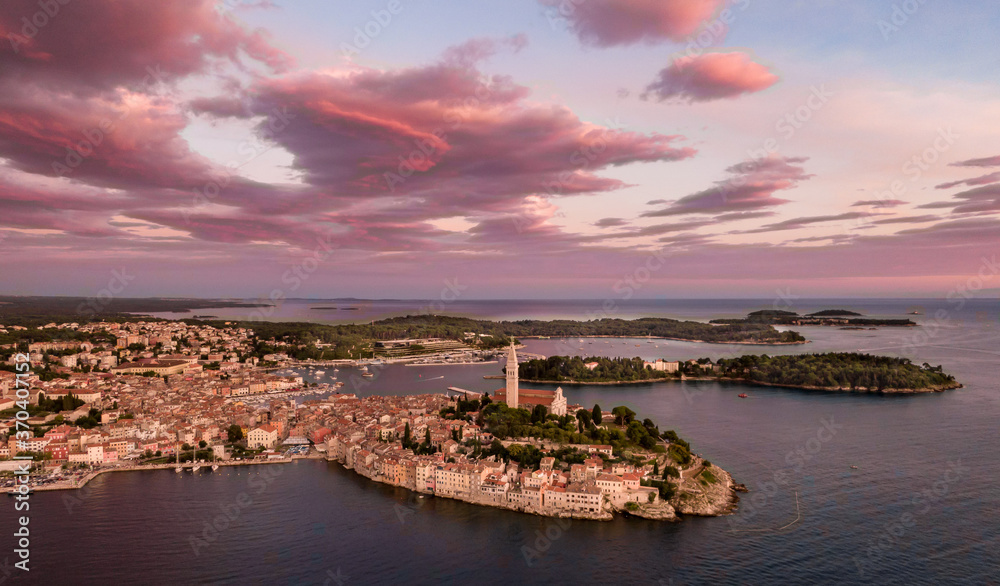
(265, 436)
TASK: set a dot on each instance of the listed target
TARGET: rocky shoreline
(695, 498)
(940, 389)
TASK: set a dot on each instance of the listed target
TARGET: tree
(596, 414)
(406, 435)
(623, 415)
(202, 444)
(539, 413)
(235, 433)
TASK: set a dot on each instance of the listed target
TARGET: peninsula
(529, 453)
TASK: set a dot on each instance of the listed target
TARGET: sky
(604, 149)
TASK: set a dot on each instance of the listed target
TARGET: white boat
(320, 372)
(214, 465)
(179, 468)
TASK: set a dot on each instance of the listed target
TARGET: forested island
(592, 369)
(827, 317)
(839, 371)
(828, 371)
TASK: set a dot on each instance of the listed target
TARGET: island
(828, 317)
(855, 372)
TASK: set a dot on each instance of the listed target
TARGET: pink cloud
(878, 203)
(606, 23)
(442, 133)
(712, 76)
(981, 180)
(983, 162)
(985, 199)
(102, 45)
(751, 189)
(117, 140)
(796, 223)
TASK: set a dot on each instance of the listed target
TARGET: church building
(516, 397)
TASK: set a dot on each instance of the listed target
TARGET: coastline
(957, 385)
(92, 475)
(742, 343)
(661, 511)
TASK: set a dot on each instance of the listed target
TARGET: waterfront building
(265, 436)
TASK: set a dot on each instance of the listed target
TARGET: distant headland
(827, 317)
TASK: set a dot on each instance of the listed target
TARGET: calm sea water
(922, 506)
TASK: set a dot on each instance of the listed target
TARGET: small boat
(854, 467)
(368, 375)
(742, 395)
(179, 468)
(320, 372)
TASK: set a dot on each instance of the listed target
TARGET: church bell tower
(512, 377)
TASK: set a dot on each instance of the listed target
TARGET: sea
(845, 488)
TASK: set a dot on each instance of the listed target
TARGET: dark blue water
(922, 506)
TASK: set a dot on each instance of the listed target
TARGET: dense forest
(834, 371)
(852, 371)
(565, 368)
(436, 326)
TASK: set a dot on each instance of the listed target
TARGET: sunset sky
(527, 148)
